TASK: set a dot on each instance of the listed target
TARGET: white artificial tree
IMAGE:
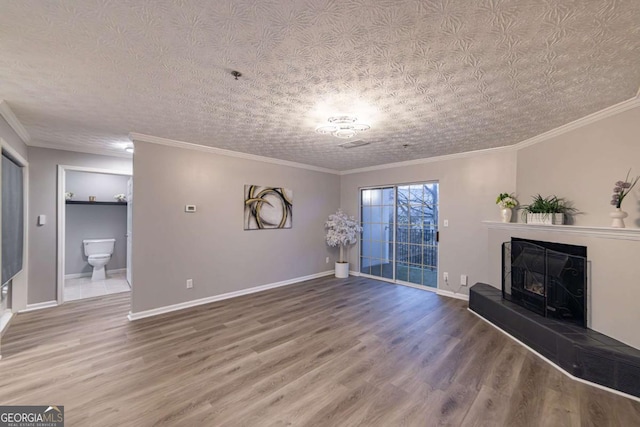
(342, 230)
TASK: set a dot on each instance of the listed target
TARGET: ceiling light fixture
(343, 127)
(129, 149)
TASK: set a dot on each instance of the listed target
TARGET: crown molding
(220, 151)
(584, 121)
(12, 120)
(7, 113)
(76, 149)
(429, 160)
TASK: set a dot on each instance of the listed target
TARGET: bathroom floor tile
(120, 287)
(83, 287)
(71, 294)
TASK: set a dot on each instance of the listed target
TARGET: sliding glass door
(400, 233)
(377, 217)
(416, 234)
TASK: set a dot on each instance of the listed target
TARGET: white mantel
(613, 291)
(602, 232)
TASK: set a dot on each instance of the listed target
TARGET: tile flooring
(83, 287)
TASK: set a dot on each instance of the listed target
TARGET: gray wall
(43, 170)
(468, 189)
(211, 246)
(103, 186)
(583, 165)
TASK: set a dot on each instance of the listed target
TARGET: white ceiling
(443, 76)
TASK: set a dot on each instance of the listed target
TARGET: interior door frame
(61, 223)
(129, 242)
(359, 244)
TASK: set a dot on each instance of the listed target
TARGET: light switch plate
(190, 208)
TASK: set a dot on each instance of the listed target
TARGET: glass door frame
(359, 243)
(394, 280)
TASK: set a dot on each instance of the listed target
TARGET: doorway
(93, 210)
(399, 240)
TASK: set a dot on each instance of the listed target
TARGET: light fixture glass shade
(345, 133)
(326, 129)
(343, 127)
(343, 119)
(129, 149)
(361, 127)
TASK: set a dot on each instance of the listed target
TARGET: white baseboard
(449, 294)
(40, 306)
(78, 275)
(464, 297)
(214, 298)
(580, 380)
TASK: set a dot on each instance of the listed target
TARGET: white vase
(342, 270)
(618, 218)
(506, 214)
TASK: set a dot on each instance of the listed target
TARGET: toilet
(98, 252)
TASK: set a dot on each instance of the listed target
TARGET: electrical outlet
(463, 279)
(446, 276)
(446, 222)
(327, 260)
(189, 283)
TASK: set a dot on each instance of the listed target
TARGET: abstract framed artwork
(267, 207)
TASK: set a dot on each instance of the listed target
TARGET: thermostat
(190, 208)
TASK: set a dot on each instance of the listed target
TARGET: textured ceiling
(443, 76)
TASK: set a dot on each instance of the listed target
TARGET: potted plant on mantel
(546, 210)
(342, 230)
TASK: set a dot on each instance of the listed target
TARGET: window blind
(12, 219)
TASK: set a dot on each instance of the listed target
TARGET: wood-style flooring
(327, 352)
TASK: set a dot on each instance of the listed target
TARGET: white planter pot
(342, 270)
(558, 218)
(545, 219)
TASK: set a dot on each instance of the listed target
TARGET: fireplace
(542, 304)
(547, 278)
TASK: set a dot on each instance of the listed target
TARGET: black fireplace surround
(541, 305)
(547, 278)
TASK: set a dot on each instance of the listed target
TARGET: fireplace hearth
(579, 351)
(542, 304)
